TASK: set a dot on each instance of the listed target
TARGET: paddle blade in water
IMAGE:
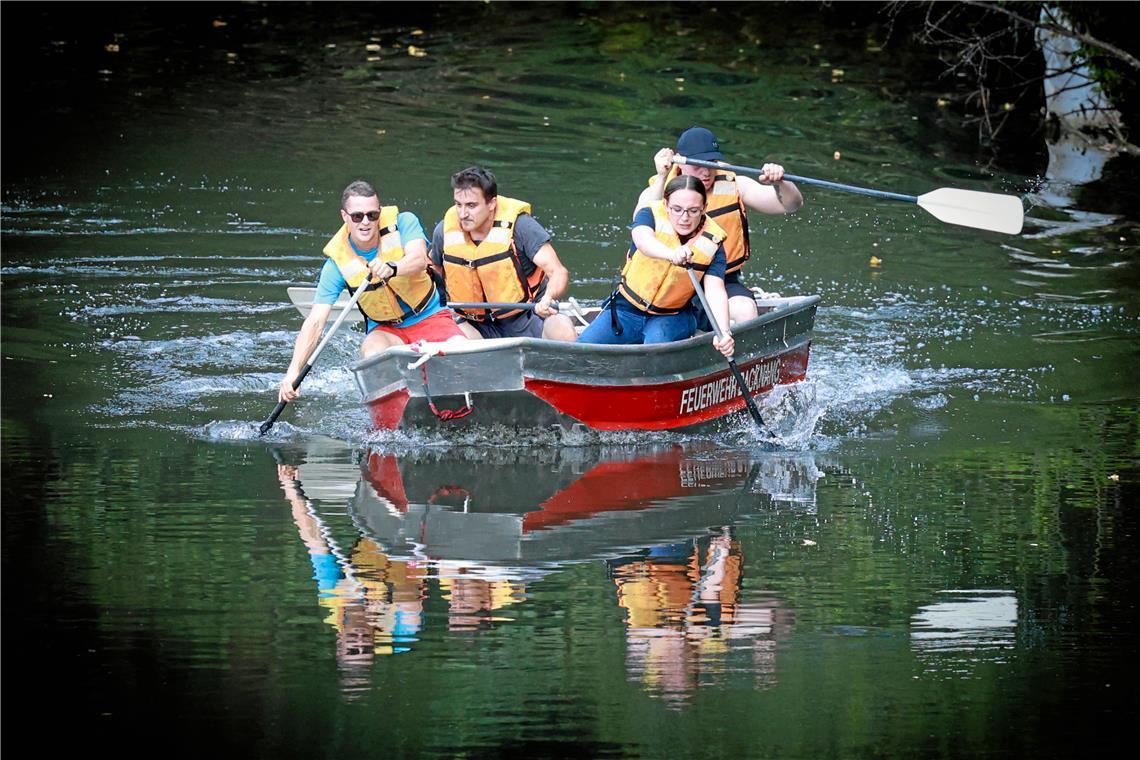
(969, 208)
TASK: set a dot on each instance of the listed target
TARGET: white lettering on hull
(756, 377)
(699, 474)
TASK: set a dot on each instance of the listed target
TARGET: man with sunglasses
(728, 196)
(490, 249)
(389, 247)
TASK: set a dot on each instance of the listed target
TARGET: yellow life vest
(657, 286)
(490, 270)
(379, 304)
(726, 208)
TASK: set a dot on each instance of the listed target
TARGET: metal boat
(529, 382)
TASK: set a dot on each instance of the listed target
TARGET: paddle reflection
(963, 630)
(475, 530)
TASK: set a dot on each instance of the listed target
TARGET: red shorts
(434, 329)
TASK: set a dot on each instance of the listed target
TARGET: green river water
(939, 559)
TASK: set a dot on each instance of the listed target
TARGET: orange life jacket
(657, 286)
(725, 207)
(490, 270)
(380, 304)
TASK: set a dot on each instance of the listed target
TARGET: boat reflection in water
(477, 527)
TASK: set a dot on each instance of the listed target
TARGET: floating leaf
(809, 542)
(942, 102)
(372, 47)
(417, 52)
(111, 47)
(876, 261)
(1114, 477)
(218, 23)
(836, 155)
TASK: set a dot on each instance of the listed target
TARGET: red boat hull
(660, 406)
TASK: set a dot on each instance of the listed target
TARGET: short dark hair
(476, 176)
(686, 182)
(359, 187)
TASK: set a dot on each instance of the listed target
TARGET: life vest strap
(725, 210)
(642, 304)
(415, 309)
(481, 261)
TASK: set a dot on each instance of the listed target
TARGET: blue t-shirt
(332, 283)
(644, 218)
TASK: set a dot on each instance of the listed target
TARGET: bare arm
(414, 261)
(663, 162)
(307, 340)
(646, 241)
(310, 531)
(773, 194)
(558, 278)
(718, 303)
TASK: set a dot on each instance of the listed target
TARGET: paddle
(969, 208)
(317, 352)
(748, 400)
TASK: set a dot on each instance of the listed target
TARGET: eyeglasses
(358, 216)
(685, 211)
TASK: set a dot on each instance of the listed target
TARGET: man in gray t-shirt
(482, 255)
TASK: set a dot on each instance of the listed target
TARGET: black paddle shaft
(804, 180)
(282, 404)
(748, 400)
(364, 286)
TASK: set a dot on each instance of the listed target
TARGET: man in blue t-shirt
(406, 294)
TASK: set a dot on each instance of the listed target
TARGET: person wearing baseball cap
(729, 195)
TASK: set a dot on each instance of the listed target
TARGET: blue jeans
(638, 327)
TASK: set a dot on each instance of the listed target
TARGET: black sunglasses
(358, 216)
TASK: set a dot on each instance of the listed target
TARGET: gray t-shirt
(530, 236)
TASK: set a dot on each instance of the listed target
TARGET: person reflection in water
(474, 592)
(474, 595)
(375, 604)
(685, 620)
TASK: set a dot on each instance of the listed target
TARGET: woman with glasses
(652, 303)
(729, 195)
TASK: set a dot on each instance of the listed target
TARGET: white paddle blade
(302, 298)
(969, 208)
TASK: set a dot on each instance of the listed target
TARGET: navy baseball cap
(699, 143)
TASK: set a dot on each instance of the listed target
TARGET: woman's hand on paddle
(726, 345)
(663, 161)
(681, 256)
